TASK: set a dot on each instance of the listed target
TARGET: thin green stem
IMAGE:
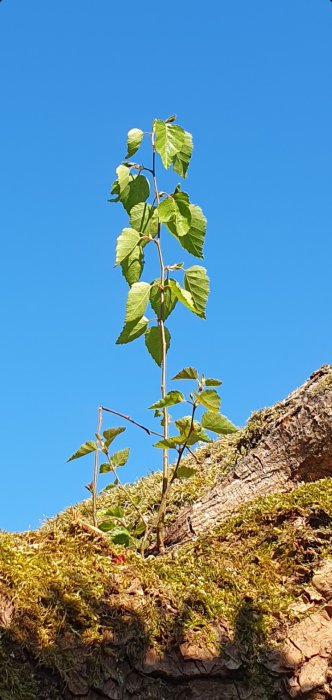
(183, 447)
(163, 502)
(163, 389)
(95, 471)
(126, 491)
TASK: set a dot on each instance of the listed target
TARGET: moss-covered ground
(69, 590)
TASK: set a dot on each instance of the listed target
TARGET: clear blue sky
(253, 82)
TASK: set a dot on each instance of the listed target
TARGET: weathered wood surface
(295, 445)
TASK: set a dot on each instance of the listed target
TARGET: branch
(198, 461)
(134, 422)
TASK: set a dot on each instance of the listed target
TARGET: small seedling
(153, 215)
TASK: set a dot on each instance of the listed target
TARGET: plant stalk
(183, 448)
(163, 502)
(95, 472)
(163, 389)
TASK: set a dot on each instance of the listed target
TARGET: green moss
(322, 384)
(71, 601)
(259, 422)
(261, 554)
(16, 678)
(212, 462)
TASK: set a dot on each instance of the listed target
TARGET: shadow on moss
(192, 624)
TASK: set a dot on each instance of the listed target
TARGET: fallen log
(243, 612)
(285, 445)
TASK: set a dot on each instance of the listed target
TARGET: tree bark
(293, 443)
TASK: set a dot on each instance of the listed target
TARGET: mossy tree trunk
(75, 624)
(282, 446)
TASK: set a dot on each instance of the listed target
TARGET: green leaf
(176, 266)
(193, 241)
(196, 282)
(144, 218)
(137, 190)
(120, 458)
(166, 210)
(183, 424)
(187, 436)
(120, 535)
(185, 472)
(168, 141)
(131, 164)
(125, 244)
(200, 436)
(135, 137)
(85, 449)
(195, 435)
(154, 344)
(114, 512)
(183, 213)
(105, 468)
(155, 297)
(170, 443)
(123, 178)
(171, 398)
(170, 299)
(176, 209)
(132, 330)
(183, 296)
(140, 529)
(137, 301)
(107, 525)
(213, 382)
(182, 159)
(210, 399)
(170, 119)
(111, 433)
(187, 373)
(109, 487)
(136, 500)
(217, 423)
(132, 266)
